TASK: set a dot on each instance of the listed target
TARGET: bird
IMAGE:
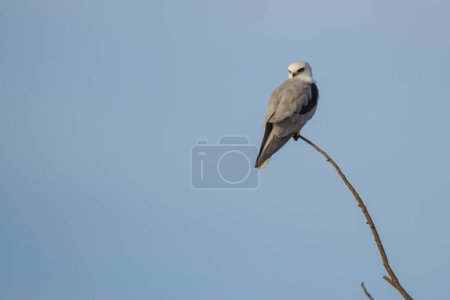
(290, 107)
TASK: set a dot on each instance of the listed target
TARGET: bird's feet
(296, 136)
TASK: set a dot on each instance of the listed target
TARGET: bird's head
(300, 70)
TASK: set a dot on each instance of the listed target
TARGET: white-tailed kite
(291, 105)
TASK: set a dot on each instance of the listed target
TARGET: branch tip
(366, 291)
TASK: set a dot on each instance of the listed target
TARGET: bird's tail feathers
(273, 144)
(263, 164)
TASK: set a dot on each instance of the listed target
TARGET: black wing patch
(313, 101)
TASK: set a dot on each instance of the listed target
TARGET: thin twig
(392, 279)
(366, 291)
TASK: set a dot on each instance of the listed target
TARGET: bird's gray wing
(274, 101)
(281, 121)
(292, 96)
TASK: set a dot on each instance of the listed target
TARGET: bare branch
(392, 278)
(366, 291)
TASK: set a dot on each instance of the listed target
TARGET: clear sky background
(101, 101)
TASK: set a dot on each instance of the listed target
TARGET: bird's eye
(301, 70)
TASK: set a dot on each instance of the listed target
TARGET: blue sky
(101, 102)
